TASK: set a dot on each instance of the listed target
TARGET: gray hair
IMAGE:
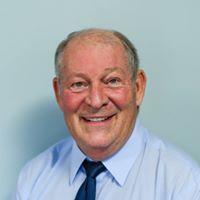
(105, 35)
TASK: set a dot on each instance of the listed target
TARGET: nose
(96, 97)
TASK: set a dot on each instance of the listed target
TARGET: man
(99, 88)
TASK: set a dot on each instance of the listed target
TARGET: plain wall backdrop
(166, 34)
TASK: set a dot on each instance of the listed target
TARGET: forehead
(105, 45)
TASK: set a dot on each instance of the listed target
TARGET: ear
(140, 84)
(57, 91)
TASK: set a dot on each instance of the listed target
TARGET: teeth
(96, 119)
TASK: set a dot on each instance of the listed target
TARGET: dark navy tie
(87, 191)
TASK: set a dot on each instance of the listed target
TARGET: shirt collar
(77, 157)
(126, 155)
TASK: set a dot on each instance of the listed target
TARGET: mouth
(98, 119)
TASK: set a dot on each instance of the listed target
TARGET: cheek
(122, 97)
(71, 101)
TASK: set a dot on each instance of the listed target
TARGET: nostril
(96, 101)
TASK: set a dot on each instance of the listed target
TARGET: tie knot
(93, 169)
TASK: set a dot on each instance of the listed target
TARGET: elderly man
(99, 88)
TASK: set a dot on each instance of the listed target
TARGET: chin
(99, 143)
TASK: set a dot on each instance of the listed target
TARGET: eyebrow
(112, 69)
(79, 74)
(107, 71)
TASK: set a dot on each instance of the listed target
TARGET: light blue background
(166, 34)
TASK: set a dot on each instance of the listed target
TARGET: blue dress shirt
(145, 168)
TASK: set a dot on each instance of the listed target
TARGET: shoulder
(50, 156)
(180, 169)
(41, 166)
(169, 154)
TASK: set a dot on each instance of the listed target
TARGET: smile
(97, 119)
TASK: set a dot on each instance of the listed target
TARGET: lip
(97, 120)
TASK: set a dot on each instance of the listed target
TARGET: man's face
(98, 97)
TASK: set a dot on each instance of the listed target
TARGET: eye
(114, 82)
(78, 86)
